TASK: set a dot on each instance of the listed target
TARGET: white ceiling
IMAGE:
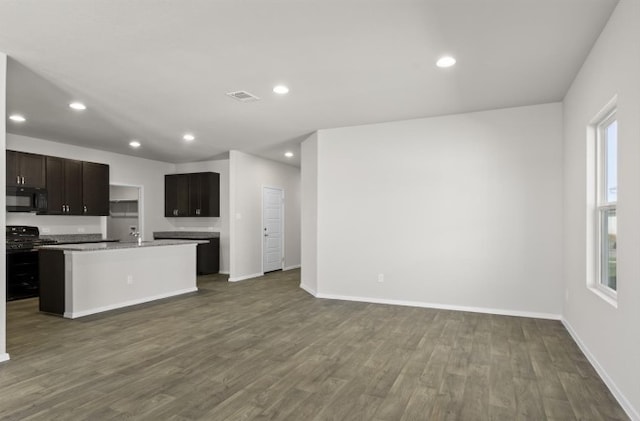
(153, 70)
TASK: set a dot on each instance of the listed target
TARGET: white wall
(248, 174)
(123, 169)
(608, 335)
(309, 217)
(220, 224)
(3, 274)
(462, 211)
(123, 193)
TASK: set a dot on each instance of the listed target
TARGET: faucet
(137, 235)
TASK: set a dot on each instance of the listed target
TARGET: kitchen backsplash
(195, 224)
(52, 225)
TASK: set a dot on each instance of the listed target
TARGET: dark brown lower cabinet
(208, 257)
(51, 268)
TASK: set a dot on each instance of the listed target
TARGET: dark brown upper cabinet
(194, 194)
(95, 189)
(25, 170)
(64, 186)
(176, 195)
(204, 194)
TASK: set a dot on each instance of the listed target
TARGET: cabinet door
(208, 257)
(26, 170)
(176, 195)
(95, 189)
(195, 194)
(73, 186)
(12, 169)
(209, 191)
(55, 185)
(31, 168)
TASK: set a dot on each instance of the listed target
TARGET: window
(606, 200)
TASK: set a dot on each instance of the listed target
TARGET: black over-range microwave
(26, 199)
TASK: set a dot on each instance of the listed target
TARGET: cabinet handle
(22, 178)
(84, 208)
(63, 208)
(17, 179)
(197, 211)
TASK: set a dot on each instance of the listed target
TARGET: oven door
(22, 274)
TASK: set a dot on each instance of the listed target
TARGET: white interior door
(272, 229)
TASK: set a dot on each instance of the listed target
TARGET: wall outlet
(129, 279)
(81, 229)
(45, 230)
(381, 277)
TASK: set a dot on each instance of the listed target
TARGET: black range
(22, 261)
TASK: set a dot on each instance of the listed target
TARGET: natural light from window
(607, 151)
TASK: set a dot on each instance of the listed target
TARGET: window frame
(602, 204)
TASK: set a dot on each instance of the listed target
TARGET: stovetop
(24, 237)
(29, 244)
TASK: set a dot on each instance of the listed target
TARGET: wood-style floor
(264, 349)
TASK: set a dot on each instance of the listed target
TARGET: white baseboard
(622, 400)
(244, 277)
(291, 267)
(308, 289)
(4, 357)
(486, 310)
(76, 314)
(223, 272)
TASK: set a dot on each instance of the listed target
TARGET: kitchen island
(81, 279)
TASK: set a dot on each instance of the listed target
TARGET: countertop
(191, 235)
(116, 246)
(77, 238)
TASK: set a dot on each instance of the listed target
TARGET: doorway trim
(140, 205)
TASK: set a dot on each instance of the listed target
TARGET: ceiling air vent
(243, 96)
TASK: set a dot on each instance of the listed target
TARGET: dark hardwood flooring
(264, 349)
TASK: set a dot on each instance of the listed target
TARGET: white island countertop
(118, 246)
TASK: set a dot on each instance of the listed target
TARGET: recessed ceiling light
(134, 144)
(288, 154)
(446, 61)
(17, 118)
(188, 137)
(281, 89)
(78, 106)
